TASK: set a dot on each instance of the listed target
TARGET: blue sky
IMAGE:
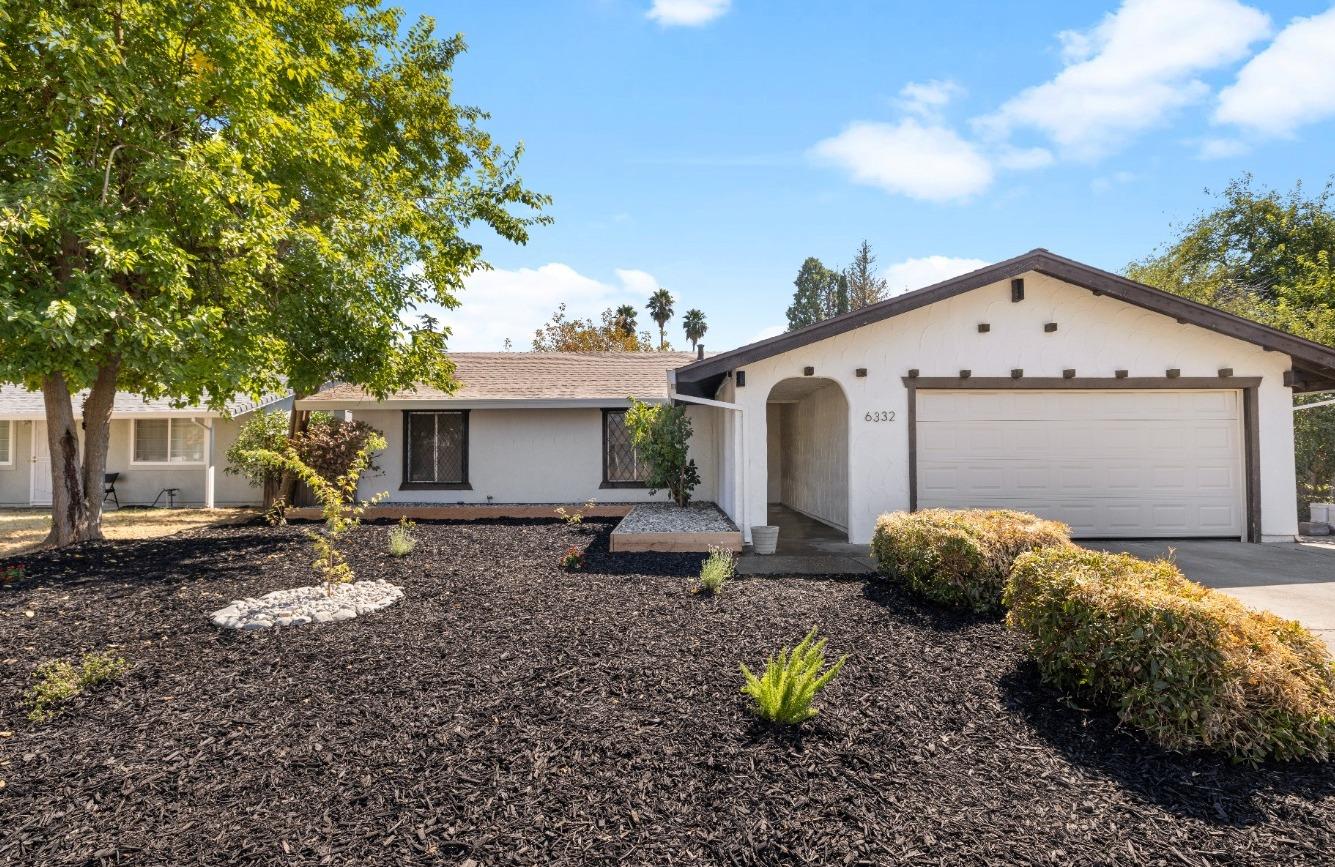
(710, 146)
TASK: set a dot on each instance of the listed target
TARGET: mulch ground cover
(506, 712)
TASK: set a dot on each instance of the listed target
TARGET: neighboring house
(153, 446)
(1037, 383)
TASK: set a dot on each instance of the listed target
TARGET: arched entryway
(807, 456)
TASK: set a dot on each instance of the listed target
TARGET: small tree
(662, 436)
(266, 431)
(338, 504)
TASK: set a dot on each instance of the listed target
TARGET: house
(153, 446)
(1037, 383)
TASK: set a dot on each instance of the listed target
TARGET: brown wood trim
(463, 484)
(1248, 386)
(467, 512)
(913, 443)
(1086, 382)
(1318, 361)
(1251, 432)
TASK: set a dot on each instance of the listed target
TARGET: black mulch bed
(509, 713)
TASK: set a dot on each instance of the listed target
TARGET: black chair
(109, 488)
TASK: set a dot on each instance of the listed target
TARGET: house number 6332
(880, 415)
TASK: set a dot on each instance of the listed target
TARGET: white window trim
(170, 420)
(9, 458)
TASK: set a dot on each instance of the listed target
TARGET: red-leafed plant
(572, 560)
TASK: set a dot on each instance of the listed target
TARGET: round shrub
(1188, 666)
(960, 557)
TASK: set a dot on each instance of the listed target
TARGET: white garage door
(1109, 463)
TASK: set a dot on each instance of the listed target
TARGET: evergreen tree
(693, 323)
(660, 310)
(810, 297)
(864, 286)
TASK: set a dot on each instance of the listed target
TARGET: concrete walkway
(1296, 581)
(806, 547)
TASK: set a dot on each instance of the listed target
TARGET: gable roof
(557, 378)
(1314, 364)
(17, 402)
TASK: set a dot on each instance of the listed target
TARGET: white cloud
(1130, 72)
(1290, 83)
(921, 272)
(909, 158)
(1222, 148)
(503, 303)
(927, 98)
(1024, 158)
(687, 13)
(1106, 182)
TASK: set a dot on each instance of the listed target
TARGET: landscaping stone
(671, 518)
(302, 605)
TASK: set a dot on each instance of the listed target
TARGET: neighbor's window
(622, 466)
(436, 449)
(168, 441)
(6, 442)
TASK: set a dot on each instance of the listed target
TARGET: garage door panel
(1109, 463)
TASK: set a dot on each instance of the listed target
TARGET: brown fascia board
(703, 377)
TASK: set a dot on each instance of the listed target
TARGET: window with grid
(621, 463)
(437, 448)
(6, 442)
(168, 441)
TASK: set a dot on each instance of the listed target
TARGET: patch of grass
(783, 694)
(716, 571)
(25, 529)
(59, 681)
(401, 539)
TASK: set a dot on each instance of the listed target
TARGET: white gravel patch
(670, 518)
(303, 605)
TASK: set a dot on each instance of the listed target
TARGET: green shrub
(716, 571)
(1188, 666)
(59, 681)
(662, 437)
(960, 558)
(401, 540)
(791, 680)
(572, 559)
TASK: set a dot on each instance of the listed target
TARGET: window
(6, 442)
(622, 467)
(435, 450)
(168, 441)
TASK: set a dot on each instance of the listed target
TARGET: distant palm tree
(660, 310)
(693, 323)
(625, 319)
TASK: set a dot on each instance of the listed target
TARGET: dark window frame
(608, 483)
(405, 484)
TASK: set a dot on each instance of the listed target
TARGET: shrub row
(960, 558)
(1187, 665)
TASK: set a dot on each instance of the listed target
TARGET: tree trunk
(69, 512)
(76, 483)
(298, 422)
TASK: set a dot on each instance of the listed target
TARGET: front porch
(806, 547)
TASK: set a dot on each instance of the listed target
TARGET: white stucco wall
(533, 456)
(1096, 335)
(813, 443)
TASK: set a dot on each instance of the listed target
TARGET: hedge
(1190, 667)
(960, 557)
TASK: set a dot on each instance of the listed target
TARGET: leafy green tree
(693, 323)
(815, 286)
(197, 199)
(263, 431)
(660, 310)
(864, 286)
(1259, 253)
(662, 437)
(563, 334)
(837, 302)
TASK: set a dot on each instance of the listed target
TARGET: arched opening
(806, 421)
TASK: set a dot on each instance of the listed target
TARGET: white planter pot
(1323, 513)
(764, 539)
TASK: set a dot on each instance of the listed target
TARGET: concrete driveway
(1296, 581)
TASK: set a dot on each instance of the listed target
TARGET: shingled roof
(559, 377)
(17, 402)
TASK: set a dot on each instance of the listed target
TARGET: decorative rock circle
(303, 605)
